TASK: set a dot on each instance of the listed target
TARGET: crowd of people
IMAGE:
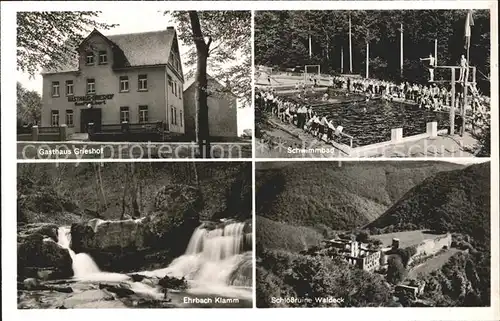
(298, 112)
(296, 109)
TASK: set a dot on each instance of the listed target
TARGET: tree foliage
(282, 274)
(396, 271)
(229, 51)
(29, 105)
(282, 39)
(46, 39)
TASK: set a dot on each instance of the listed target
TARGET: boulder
(121, 290)
(168, 282)
(175, 216)
(104, 235)
(84, 299)
(44, 229)
(35, 252)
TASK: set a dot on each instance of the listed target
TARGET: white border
(9, 148)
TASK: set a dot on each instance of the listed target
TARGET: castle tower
(395, 243)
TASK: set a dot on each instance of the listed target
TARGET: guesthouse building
(134, 78)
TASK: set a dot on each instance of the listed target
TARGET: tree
(396, 271)
(29, 105)
(220, 41)
(281, 39)
(46, 39)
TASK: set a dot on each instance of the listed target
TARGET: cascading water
(215, 262)
(83, 264)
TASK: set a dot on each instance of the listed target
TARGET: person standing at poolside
(432, 63)
(463, 66)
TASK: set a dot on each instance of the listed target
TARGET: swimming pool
(371, 122)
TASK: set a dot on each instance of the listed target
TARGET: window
(143, 82)
(55, 89)
(124, 84)
(171, 114)
(90, 58)
(124, 114)
(143, 114)
(175, 116)
(103, 57)
(180, 118)
(90, 86)
(69, 88)
(170, 82)
(54, 118)
(175, 89)
(69, 118)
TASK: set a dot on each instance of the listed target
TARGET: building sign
(90, 99)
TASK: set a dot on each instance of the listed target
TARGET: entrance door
(90, 115)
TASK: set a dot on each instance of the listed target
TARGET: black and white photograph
(372, 83)
(134, 235)
(373, 234)
(134, 84)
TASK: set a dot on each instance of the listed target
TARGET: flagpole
(468, 23)
(435, 52)
(341, 59)
(401, 57)
(310, 49)
(367, 54)
(350, 46)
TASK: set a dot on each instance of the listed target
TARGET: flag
(469, 22)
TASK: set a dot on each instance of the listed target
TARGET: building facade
(222, 110)
(134, 78)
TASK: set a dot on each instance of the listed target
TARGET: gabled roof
(130, 50)
(192, 80)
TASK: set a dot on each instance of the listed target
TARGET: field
(406, 239)
(433, 264)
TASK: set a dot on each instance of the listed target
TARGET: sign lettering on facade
(92, 99)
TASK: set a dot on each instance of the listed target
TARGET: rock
(63, 289)
(84, 298)
(103, 235)
(82, 237)
(137, 277)
(121, 290)
(31, 284)
(35, 252)
(175, 216)
(173, 283)
(178, 198)
(44, 229)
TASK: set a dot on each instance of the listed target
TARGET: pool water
(371, 122)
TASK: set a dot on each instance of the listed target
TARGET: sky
(133, 21)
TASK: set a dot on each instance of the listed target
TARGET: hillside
(65, 192)
(281, 236)
(455, 201)
(338, 195)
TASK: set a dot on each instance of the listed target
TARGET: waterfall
(83, 264)
(215, 262)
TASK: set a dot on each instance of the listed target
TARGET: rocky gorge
(167, 257)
